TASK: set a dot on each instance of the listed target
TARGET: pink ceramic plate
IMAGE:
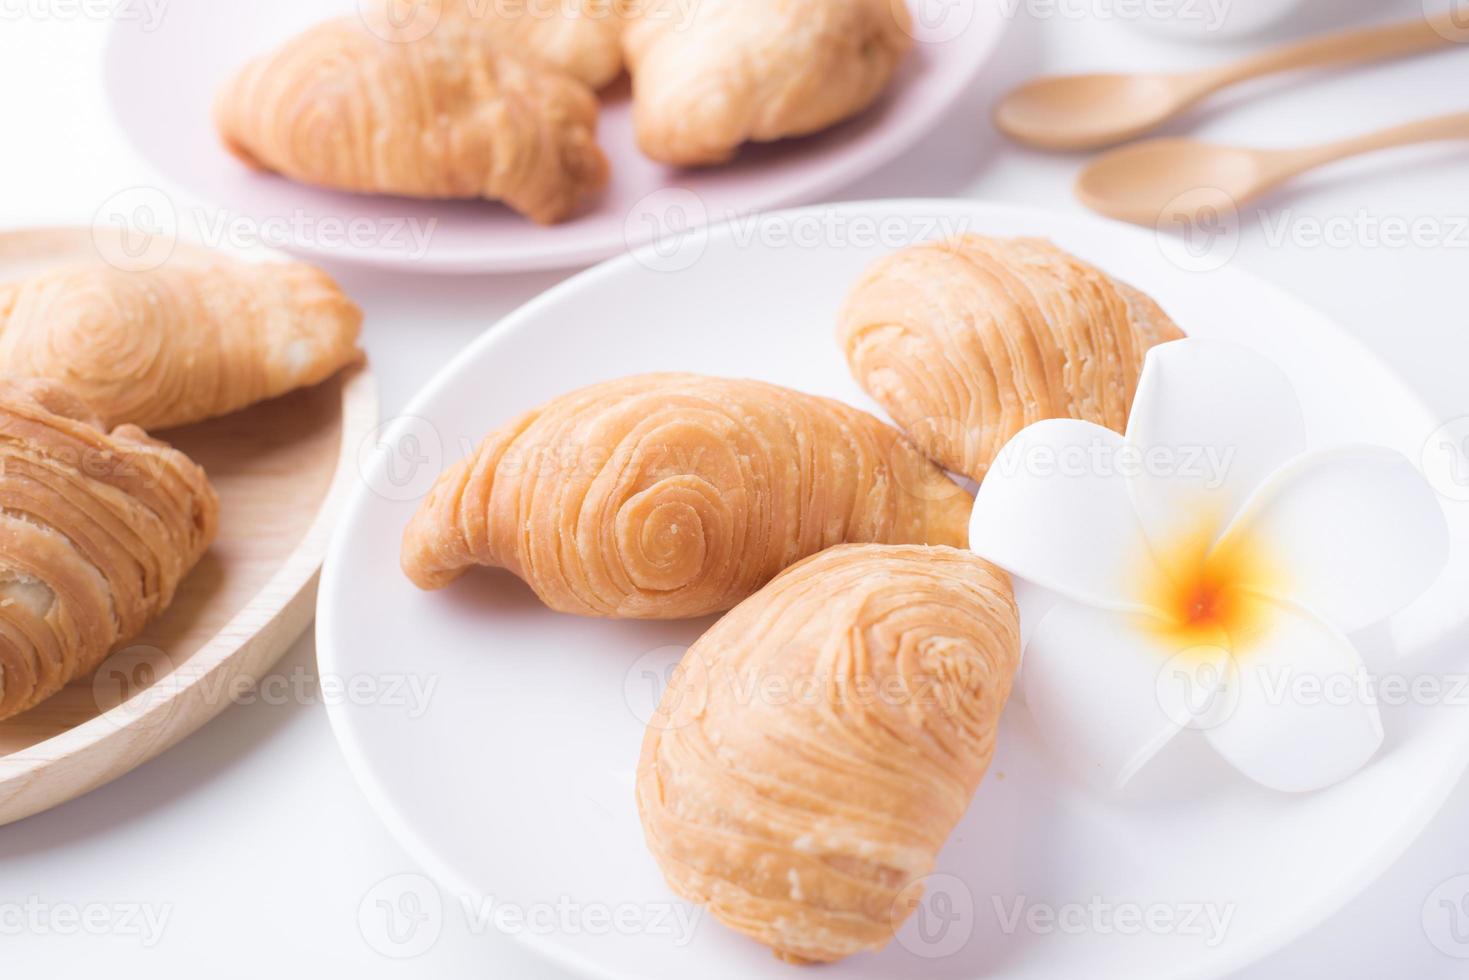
(162, 75)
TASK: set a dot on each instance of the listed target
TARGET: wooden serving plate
(282, 470)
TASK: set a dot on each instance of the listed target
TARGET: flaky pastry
(666, 496)
(367, 105)
(186, 341)
(968, 340)
(817, 746)
(710, 76)
(582, 37)
(96, 531)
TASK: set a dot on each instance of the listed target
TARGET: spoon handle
(1347, 47)
(1450, 127)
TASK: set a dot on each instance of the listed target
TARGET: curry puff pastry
(583, 37)
(710, 76)
(184, 342)
(819, 744)
(666, 496)
(453, 113)
(96, 531)
(967, 341)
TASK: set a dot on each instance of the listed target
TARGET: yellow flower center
(1208, 593)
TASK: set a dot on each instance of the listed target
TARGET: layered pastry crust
(710, 76)
(818, 745)
(582, 37)
(666, 496)
(968, 340)
(96, 531)
(187, 341)
(367, 105)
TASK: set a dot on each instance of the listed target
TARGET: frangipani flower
(1202, 566)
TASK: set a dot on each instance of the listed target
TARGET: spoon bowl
(1184, 180)
(1146, 182)
(1086, 112)
(1082, 112)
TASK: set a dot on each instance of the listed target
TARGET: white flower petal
(1354, 534)
(1054, 510)
(1210, 422)
(1035, 603)
(1096, 684)
(1304, 715)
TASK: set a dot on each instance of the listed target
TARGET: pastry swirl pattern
(96, 532)
(187, 341)
(667, 496)
(968, 340)
(455, 113)
(820, 742)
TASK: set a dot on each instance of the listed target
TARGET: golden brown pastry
(582, 37)
(967, 341)
(187, 341)
(96, 531)
(666, 496)
(710, 76)
(821, 741)
(453, 113)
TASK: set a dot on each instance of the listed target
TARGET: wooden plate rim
(285, 603)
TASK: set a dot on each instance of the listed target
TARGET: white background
(251, 836)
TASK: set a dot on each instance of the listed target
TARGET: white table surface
(250, 841)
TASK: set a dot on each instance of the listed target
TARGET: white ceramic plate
(205, 41)
(516, 782)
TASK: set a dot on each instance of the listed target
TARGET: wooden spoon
(1084, 112)
(1178, 178)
